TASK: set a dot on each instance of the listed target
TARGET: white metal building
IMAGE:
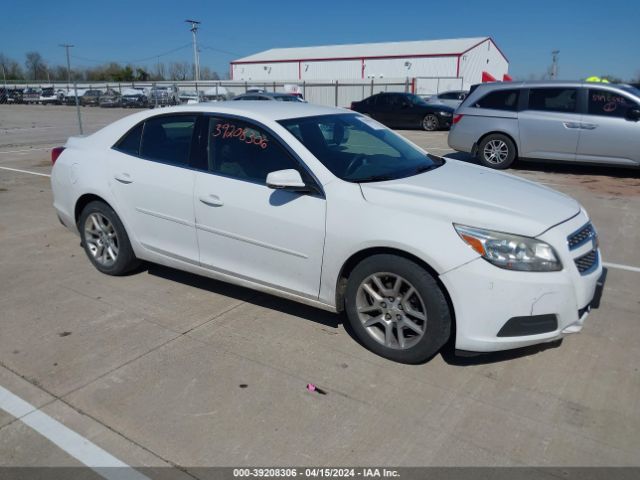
(471, 60)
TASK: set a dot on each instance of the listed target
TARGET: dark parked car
(91, 97)
(15, 95)
(111, 99)
(405, 110)
(134, 100)
(280, 97)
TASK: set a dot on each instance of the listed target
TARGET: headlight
(511, 252)
(445, 114)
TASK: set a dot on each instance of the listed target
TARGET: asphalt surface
(163, 368)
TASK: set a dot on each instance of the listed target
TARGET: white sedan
(332, 209)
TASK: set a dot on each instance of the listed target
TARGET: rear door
(381, 109)
(609, 134)
(153, 183)
(550, 124)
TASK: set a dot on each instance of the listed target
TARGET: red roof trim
(487, 40)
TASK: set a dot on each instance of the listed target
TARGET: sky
(594, 37)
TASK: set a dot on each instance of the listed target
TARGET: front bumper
(486, 298)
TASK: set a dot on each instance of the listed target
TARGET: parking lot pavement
(166, 368)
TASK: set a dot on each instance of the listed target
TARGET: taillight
(55, 153)
(457, 118)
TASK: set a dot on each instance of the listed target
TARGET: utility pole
(75, 86)
(6, 90)
(554, 64)
(195, 24)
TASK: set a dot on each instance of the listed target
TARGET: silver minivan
(567, 121)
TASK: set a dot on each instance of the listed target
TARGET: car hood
(458, 192)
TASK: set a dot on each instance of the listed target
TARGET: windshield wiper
(374, 178)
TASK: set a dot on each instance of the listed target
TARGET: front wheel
(430, 123)
(105, 240)
(397, 309)
(497, 151)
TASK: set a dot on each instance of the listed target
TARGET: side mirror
(633, 114)
(289, 179)
(405, 105)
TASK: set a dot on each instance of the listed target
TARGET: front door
(246, 229)
(609, 134)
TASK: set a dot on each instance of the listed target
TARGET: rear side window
(553, 99)
(131, 142)
(500, 100)
(608, 104)
(168, 138)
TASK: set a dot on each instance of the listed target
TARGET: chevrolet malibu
(330, 208)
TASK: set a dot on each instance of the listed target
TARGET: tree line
(36, 69)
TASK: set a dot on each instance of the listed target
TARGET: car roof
(260, 109)
(266, 94)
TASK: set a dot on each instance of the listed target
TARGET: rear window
(168, 138)
(500, 100)
(131, 142)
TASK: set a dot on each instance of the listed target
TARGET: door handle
(211, 200)
(589, 126)
(572, 125)
(123, 178)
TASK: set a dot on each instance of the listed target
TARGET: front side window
(168, 138)
(500, 100)
(553, 99)
(244, 151)
(359, 149)
(608, 104)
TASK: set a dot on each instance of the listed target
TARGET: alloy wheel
(391, 310)
(101, 239)
(430, 123)
(496, 152)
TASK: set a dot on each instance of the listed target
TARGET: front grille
(587, 262)
(581, 237)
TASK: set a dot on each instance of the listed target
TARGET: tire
(372, 319)
(496, 151)
(430, 123)
(103, 235)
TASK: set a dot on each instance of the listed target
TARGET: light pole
(75, 86)
(195, 24)
(554, 64)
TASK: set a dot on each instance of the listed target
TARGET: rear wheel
(105, 240)
(497, 151)
(397, 309)
(430, 123)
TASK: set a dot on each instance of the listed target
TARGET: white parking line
(76, 445)
(621, 267)
(28, 149)
(25, 171)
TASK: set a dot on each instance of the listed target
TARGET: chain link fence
(336, 93)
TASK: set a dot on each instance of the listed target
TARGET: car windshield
(416, 99)
(358, 149)
(630, 89)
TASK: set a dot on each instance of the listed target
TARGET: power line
(234, 54)
(139, 60)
